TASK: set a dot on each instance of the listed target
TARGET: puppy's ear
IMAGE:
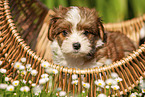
(58, 14)
(53, 20)
(101, 29)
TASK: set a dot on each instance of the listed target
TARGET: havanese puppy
(79, 40)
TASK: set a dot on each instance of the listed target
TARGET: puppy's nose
(76, 45)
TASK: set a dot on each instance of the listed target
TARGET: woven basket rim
(66, 69)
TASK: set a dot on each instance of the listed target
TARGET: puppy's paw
(108, 62)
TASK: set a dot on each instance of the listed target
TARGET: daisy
(15, 83)
(62, 93)
(75, 82)
(33, 84)
(24, 81)
(74, 76)
(37, 89)
(143, 90)
(3, 70)
(86, 85)
(17, 65)
(45, 75)
(3, 86)
(115, 87)
(1, 63)
(114, 75)
(23, 72)
(10, 88)
(55, 71)
(101, 95)
(23, 60)
(110, 82)
(49, 70)
(133, 95)
(45, 64)
(100, 83)
(118, 79)
(29, 69)
(34, 72)
(21, 67)
(28, 66)
(7, 79)
(25, 89)
(42, 81)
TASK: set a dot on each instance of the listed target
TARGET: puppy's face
(77, 30)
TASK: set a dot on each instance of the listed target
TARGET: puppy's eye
(86, 33)
(64, 33)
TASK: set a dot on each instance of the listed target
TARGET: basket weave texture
(23, 32)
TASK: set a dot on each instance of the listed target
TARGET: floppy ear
(52, 22)
(101, 30)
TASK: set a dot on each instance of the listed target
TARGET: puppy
(79, 40)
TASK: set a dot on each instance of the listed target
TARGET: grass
(22, 88)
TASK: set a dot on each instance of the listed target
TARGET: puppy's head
(77, 30)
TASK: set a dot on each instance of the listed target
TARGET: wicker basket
(23, 31)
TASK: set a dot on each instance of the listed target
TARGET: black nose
(76, 45)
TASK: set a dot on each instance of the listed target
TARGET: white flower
(28, 66)
(33, 84)
(29, 69)
(115, 87)
(3, 70)
(23, 60)
(7, 79)
(143, 90)
(86, 85)
(55, 71)
(15, 83)
(140, 94)
(42, 81)
(118, 79)
(114, 75)
(45, 64)
(46, 79)
(51, 71)
(24, 81)
(34, 72)
(25, 89)
(133, 95)
(83, 91)
(37, 89)
(17, 65)
(111, 82)
(10, 88)
(23, 72)
(1, 63)
(45, 75)
(36, 94)
(100, 83)
(62, 93)
(75, 82)
(3, 86)
(74, 76)
(21, 67)
(101, 95)
(107, 87)
(30, 82)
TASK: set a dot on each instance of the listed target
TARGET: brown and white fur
(79, 40)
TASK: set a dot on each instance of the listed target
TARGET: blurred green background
(110, 10)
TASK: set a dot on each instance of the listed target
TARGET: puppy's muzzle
(76, 46)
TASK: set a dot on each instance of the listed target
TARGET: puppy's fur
(79, 40)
